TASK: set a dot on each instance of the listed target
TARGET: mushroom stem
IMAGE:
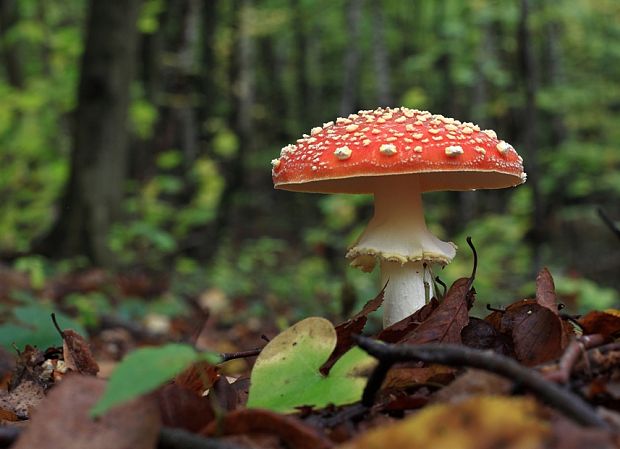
(397, 235)
(407, 290)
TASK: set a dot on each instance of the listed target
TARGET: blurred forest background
(135, 136)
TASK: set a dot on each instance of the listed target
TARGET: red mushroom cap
(350, 155)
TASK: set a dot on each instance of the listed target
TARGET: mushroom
(397, 154)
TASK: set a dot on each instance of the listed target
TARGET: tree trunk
(92, 200)
(9, 16)
(529, 76)
(380, 56)
(348, 101)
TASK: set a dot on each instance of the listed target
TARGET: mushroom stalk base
(407, 288)
(397, 236)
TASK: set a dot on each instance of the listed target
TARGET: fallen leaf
(62, 420)
(198, 377)
(397, 331)
(22, 399)
(286, 373)
(402, 377)
(183, 409)
(445, 323)
(568, 435)
(481, 334)
(606, 323)
(77, 355)
(474, 382)
(346, 330)
(291, 431)
(481, 422)
(146, 369)
(8, 415)
(536, 332)
(545, 291)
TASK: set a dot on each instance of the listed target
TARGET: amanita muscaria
(396, 154)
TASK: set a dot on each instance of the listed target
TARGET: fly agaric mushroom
(397, 154)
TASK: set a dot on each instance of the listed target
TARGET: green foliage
(156, 225)
(31, 324)
(89, 307)
(449, 57)
(286, 373)
(146, 369)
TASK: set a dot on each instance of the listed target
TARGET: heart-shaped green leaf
(286, 373)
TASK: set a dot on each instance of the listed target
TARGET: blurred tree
(94, 192)
(349, 98)
(9, 17)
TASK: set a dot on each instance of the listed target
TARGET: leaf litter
(310, 385)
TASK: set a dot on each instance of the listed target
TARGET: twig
(494, 309)
(454, 355)
(170, 438)
(573, 319)
(475, 267)
(60, 331)
(226, 356)
(443, 285)
(574, 351)
(609, 222)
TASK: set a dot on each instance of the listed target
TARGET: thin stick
(575, 350)
(226, 356)
(563, 400)
(475, 267)
(60, 331)
(609, 222)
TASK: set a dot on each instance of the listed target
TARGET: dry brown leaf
(291, 431)
(346, 330)
(481, 422)
(568, 435)
(8, 415)
(198, 377)
(23, 398)
(481, 334)
(62, 420)
(401, 377)
(445, 323)
(545, 291)
(474, 383)
(77, 355)
(606, 323)
(536, 332)
(400, 329)
(184, 409)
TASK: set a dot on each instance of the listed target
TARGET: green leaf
(286, 373)
(146, 369)
(33, 326)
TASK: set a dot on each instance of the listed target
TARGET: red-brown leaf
(536, 332)
(291, 431)
(77, 354)
(545, 291)
(346, 330)
(447, 321)
(481, 334)
(184, 409)
(400, 329)
(605, 323)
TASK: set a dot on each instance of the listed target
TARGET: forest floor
(528, 375)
